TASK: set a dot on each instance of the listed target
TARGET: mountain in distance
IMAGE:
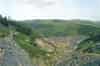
(61, 27)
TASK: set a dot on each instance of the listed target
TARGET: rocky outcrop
(14, 55)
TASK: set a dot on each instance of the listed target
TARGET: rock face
(13, 54)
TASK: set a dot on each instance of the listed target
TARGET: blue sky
(88, 3)
(51, 9)
(90, 9)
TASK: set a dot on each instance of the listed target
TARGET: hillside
(54, 42)
(77, 29)
(62, 27)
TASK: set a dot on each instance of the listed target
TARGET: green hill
(62, 27)
(26, 32)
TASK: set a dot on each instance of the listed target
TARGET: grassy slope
(53, 28)
(61, 27)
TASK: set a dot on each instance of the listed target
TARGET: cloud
(58, 10)
(37, 3)
(64, 9)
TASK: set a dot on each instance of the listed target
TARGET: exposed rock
(14, 55)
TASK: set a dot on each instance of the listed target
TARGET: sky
(51, 9)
